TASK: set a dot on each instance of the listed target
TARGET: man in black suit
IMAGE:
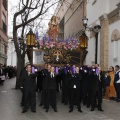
(51, 90)
(44, 74)
(22, 71)
(28, 85)
(97, 91)
(75, 90)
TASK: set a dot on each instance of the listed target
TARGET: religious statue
(53, 28)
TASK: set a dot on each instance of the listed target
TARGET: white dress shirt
(119, 76)
(52, 75)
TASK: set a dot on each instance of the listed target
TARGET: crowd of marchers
(86, 85)
(6, 72)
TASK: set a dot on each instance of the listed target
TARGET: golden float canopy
(31, 38)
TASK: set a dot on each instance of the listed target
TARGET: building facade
(105, 13)
(70, 14)
(3, 30)
(11, 54)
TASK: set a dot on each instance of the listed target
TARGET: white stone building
(11, 54)
(105, 13)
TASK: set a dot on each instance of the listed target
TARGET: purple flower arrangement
(68, 44)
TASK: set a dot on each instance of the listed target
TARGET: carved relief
(115, 35)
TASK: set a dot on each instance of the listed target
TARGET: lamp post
(83, 41)
(30, 39)
(83, 46)
(85, 20)
(31, 42)
(96, 29)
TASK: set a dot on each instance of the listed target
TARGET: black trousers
(65, 93)
(22, 99)
(43, 97)
(118, 90)
(2, 82)
(97, 99)
(75, 98)
(51, 99)
(85, 92)
(29, 99)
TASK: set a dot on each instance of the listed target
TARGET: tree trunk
(17, 86)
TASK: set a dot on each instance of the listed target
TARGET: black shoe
(79, 110)
(34, 111)
(84, 103)
(24, 111)
(46, 110)
(41, 104)
(118, 100)
(71, 110)
(100, 109)
(88, 106)
(65, 103)
(92, 109)
(55, 110)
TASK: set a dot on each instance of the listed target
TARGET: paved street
(10, 108)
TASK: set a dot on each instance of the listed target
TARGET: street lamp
(96, 29)
(83, 41)
(83, 45)
(30, 39)
(85, 20)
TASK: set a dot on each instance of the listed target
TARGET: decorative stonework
(114, 15)
(115, 35)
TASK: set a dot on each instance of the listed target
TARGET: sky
(12, 7)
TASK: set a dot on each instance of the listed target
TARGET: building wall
(114, 55)
(97, 14)
(11, 54)
(73, 20)
(3, 31)
(113, 4)
(72, 12)
(62, 9)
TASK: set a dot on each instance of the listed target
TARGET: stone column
(104, 42)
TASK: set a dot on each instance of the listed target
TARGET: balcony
(4, 27)
(5, 4)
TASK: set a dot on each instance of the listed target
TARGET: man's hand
(21, 88)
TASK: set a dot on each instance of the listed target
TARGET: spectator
(112, 88)
(107, 85)
(117, 82)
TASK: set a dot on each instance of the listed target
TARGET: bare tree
(29, 11)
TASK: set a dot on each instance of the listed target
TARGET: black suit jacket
(3, 72)
(75, 79)
(28, 82)
(51, 82)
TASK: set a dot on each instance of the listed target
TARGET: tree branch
(40, 13)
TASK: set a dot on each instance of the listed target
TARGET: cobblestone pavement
(10, 108)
